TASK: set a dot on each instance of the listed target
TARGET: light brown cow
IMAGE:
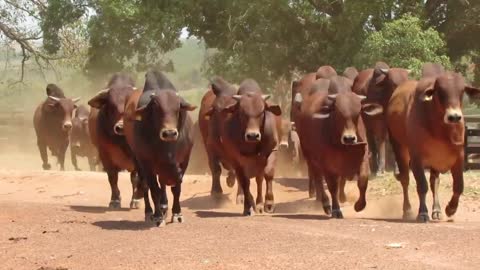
(337, 135)
(426, 127)
(250, 129)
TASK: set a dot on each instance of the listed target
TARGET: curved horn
(384, 70)
(75, 100)
(237, 97)
(332, 96)
(54, 98)
(152, 95)
(362, 97)
(266, 97)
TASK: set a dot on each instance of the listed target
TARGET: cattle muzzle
(453, 116)
(67, 125)
(118, 128)
(253, 136)
(169, 134)
(349, 139)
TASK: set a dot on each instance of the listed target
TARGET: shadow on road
(205, 202)
(95, 209)
(303, 216)
(122, 225)
(300, 184)
(213, 214)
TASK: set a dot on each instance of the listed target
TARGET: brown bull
(378, 85)
(53, 123)
(426, 128)
(212, 104)
(250, 131)
(106, 130)
(332, 128)
(80, 142)
(160, 133)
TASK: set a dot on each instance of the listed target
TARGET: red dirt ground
(59, 220)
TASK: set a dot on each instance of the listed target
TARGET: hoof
(135, 204)
(114, 204)
(46, 166)
(450, 210)
(423, 217)
(178, 218)
(436, 215)
(269, 208)
(259, 208)
(148, 217)
(164, 210)
(337, 213)
(249, 213)
(408, 215)
(327, 209)
(230, 180)
(240, 199)
(360, 205)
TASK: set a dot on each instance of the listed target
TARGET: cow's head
(343, 110)
(223, 91)
(383, 83)
(80, 126)
(63, 108)
(444, 94)
(166, 112)
(251, 109)
(112, 102)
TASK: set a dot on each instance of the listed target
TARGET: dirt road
(59, 220)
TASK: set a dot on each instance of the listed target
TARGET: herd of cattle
(339, 126)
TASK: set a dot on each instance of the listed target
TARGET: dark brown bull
(80, 142)
(426, 127)
(250, 131)
(212, 104)
(106, 130)
(53, 122)
(378, 85)
(160, 133)
(333, 131)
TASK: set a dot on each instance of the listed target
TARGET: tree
(404, 43)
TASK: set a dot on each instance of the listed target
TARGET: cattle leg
(240, 195)
(176, 209)
(73, 155)
(91, 163)
(137, 192)
(434, 183)
(115, 200)
(341, 190)
(231, 178)
(248, 203)
(401, 156)
(381, 156)
(311, 182)
(321, 195)
(259, 202)
(61, 156)
(362, 184)
(422, 189)
(373, 148)
(42, 147)
(457, 174)
(157, 217)
(269, 173)
(216, 170)
(332, 182)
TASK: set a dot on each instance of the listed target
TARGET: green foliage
(403, 43)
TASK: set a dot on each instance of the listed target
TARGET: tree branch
(17, 6)
(330, 7)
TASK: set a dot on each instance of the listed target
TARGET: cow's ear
(472, 92)
(372, 109)
(230, 108)
(275, 109)
(427, 94)
(187, 106)
(99, 99)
